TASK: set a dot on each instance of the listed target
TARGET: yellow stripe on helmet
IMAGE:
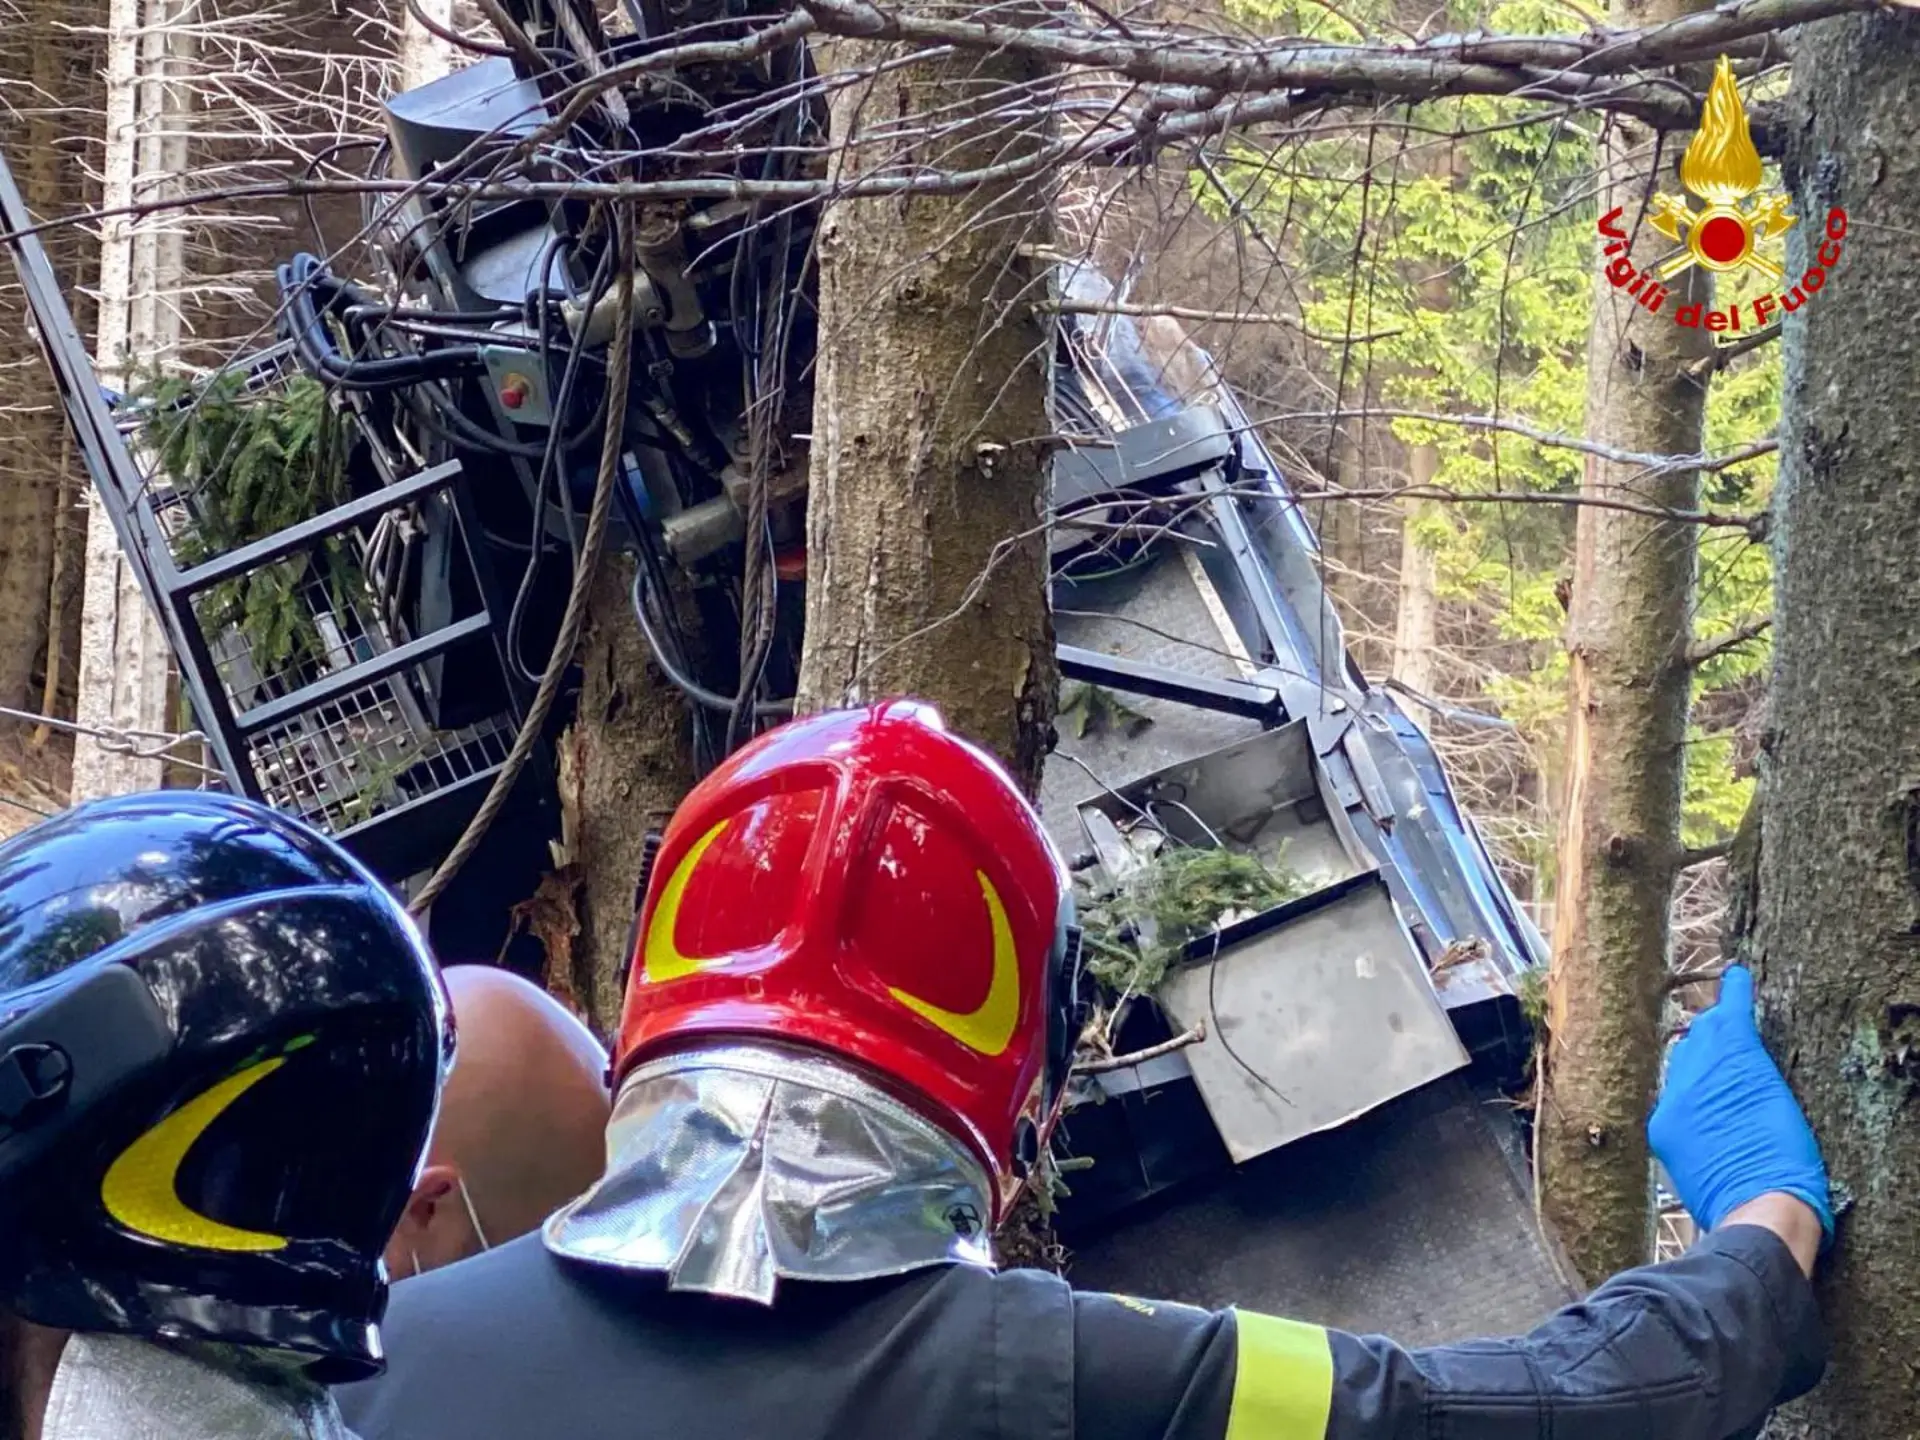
(141, 1187)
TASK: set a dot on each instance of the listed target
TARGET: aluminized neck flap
(117, 1387)
(732, 1167)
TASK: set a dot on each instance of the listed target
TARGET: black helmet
(221, 1047)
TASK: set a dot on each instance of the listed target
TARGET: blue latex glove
(1727, 1127)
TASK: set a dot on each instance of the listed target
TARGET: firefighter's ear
(431, 1193)
(421, 1240)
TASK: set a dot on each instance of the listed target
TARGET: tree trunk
(1415, 625)
(75, 256)
(624, 765)
(30, 498)
(1839, 892)
(424, 56)
(59, 585)
(1627, 637)
(927, 477)
(124, 658)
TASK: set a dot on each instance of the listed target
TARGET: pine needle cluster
(251, 463)
(1135, 929)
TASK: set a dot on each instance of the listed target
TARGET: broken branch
(1140, 1057)
(1703, 854)
(1694, 977)
(1725, 355)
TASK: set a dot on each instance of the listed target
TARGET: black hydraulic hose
(685, 683)
(307, 291)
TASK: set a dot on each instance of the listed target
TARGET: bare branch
(1702, 651)
(1572, 67)
(1685, 978)
(1713, 519)
(1656, 464)
(1725, 355)
(1477, 719)
(1224, 317)
(1703, 854)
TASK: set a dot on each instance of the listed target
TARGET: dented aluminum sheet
(1320, 1016)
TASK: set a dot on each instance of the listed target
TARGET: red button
(514, 391)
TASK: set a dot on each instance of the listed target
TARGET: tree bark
(424, 56)
(1350, 538)
(30, 498)
(1416, 627)
(1838, 908)
(927, 476)
(1416, 619)
(1627, 702)
(624, 764)
(125, 662)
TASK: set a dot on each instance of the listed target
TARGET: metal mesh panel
(370, 751)
(297, 620)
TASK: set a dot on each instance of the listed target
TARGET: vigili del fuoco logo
(1721, 169)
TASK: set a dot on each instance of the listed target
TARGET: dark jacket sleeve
(1700, 1348)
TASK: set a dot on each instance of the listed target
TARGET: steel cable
(619, 377)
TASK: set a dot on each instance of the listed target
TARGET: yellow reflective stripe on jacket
(1282, 1380)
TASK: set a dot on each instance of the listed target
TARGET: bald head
(522, 1125)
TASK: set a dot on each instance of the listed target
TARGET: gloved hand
(1727, 1127)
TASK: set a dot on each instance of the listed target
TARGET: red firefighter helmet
(866, 883)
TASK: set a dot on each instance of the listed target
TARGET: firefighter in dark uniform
(221, 1046)
(847, 1027)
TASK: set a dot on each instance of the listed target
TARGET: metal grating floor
(344, 762)
(1411, 1222)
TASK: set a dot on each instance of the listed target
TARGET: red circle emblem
(1723, 239)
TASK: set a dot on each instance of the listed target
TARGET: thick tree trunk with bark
(1627, 701)
(927, 562)
(125, 669)
(1838, 926)
(30, 497)
(624, 764)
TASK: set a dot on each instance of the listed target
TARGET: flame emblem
(1722, 168)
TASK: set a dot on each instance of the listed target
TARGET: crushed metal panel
(1320, 1017)
(1153, 614)
(1316, 1011)
(1265, 795)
